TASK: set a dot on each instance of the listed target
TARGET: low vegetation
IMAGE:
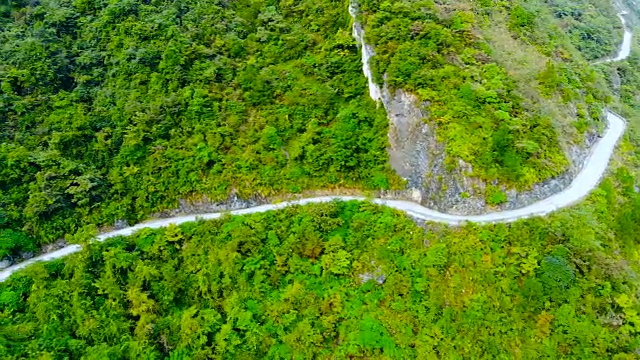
(590, 24)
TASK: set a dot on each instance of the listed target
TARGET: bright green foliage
(288, 284)
(116, 109)
(590, 25)
(630, 92)
(495, 196)
(12, 242)
(569, 32)
(556, 275)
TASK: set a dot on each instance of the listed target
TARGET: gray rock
(204, 205)
(120, 224)
(5, 263)
(54, 246)
(27, 255)
(376, 275)
(417, 156)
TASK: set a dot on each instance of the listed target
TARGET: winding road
(587, 179)
(625, 48)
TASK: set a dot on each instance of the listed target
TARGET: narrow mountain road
(592, 172)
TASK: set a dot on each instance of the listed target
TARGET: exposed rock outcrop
(204, 205)
(5, 263)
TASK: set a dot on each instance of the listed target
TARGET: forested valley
(116, 109)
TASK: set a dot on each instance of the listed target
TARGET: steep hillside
(336, 280)
(502, 87)
(626, 81)
(116, 109)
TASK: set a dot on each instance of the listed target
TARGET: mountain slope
(116, 109)
(345, 280)
(112, 111)
(506, 93)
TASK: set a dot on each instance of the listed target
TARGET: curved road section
(625, 48)
(592, 172)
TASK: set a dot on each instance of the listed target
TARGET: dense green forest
(589, 23)
(116, 109)
(342, 280)
(625, 75)
(629, 91)
(445, 52)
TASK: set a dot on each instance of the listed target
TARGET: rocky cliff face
(417, 156)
